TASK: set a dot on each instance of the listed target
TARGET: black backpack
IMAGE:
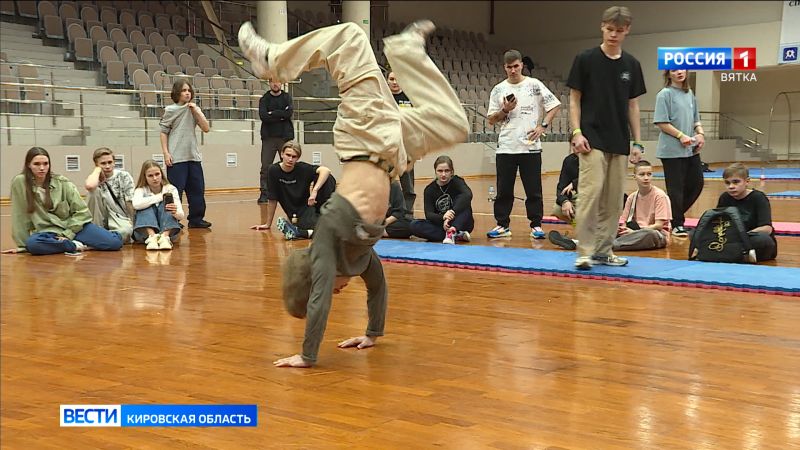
(720, 236)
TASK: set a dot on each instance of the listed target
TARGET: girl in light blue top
(679, 145)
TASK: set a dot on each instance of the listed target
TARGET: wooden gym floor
(470, 359)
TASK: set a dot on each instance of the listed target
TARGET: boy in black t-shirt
(605, 83)
(300, 188)
(566, 201)
(754, 210)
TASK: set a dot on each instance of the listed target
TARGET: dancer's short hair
(294, 145)
(511, 56)
(100, 152)
(618, 15)
(736, 169)
(297, 282)
(641, 163)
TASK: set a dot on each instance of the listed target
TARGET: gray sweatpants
(647, 239)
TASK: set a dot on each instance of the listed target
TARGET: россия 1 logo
(710, 58)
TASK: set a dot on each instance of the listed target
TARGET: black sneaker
(680, 231)
(199, 224)
(561, 241)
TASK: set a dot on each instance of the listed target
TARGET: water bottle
(491, 193)
(294, 219)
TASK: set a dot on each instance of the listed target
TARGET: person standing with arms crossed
(605, 83)
(275, 110)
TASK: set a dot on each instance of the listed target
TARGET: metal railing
(790, 121)
(314, 115)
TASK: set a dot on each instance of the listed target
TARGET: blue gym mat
(767, 279)
(785, 194)
(787, 173)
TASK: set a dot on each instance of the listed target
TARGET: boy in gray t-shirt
(181, 153)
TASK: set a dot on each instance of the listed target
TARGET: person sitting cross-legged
(645, 221)
(448, 207)
(398, 225)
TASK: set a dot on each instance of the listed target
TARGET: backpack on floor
(720, 236)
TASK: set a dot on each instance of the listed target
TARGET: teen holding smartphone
(523, 107)
(157, 213)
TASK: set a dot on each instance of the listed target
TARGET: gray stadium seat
(128, 55)
(140, 77)
(225, 101)
(27, 9)
(130, 69)
(53, 28)
(115, 74)
(242, 99)
(7, 8)
(167, 59)
(185, 60)
(106, 55)
(84, 50)
(173, 41)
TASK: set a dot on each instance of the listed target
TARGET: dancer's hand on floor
(291, 361)
(260, 227)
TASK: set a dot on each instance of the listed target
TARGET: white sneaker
(583, 263)
(422, 28)
(152, 242)
(463, 236)
(450, 236)
(751, 257)
(255, 49)
(79, 246)
(164, 243)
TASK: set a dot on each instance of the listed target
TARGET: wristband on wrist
(680, 135)
(639, 146)
(576, 131)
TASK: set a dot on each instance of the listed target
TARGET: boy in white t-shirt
(645, 220)
(516, 104)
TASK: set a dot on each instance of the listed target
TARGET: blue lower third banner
(159, 415)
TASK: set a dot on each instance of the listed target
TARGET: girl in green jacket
(48, 214)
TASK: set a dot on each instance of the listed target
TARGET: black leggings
(307, 216)
(684, 180)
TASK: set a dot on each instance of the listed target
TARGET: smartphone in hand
(510, 97)
(168, 198)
